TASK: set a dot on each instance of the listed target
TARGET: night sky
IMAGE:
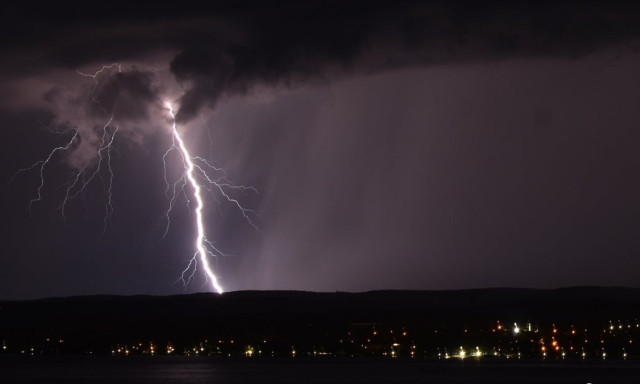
(401, 145)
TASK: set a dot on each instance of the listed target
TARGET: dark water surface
(178, 369)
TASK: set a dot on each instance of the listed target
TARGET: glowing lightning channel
(201, 240)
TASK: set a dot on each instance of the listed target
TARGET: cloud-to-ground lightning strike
(196, 176)
(201, 241)
(204, 248)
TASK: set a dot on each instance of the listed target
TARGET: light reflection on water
(177, 369)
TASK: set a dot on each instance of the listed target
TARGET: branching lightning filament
(81, 178)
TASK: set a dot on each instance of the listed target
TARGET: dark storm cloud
(229, 47)
(316, 40)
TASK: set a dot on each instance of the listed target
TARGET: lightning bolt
(193, 174)
(197, 174)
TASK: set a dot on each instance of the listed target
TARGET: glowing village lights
(516, 329)
(546, 345)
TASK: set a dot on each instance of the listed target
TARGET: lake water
(178, 369)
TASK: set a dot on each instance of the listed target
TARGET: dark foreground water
(177, 369)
